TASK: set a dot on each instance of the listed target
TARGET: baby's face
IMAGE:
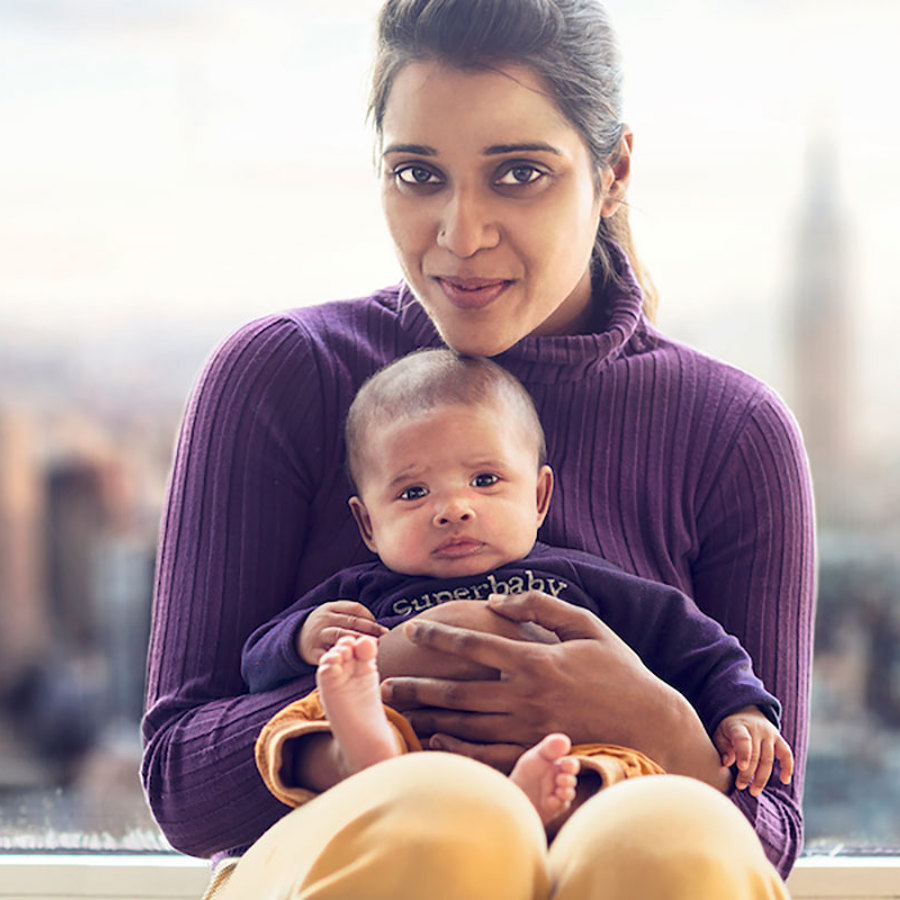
(454, 491)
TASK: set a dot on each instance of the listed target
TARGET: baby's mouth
(458, 547)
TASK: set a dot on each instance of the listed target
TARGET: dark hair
(430, 379)
(570, 44)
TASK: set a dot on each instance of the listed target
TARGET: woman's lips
(472, 293)
(456, 548)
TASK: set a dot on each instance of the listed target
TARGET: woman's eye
(485, 479)
(416, 175)
(417, 492)
(520, 174)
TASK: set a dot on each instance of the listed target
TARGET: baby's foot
(548, 776)
(347, 678)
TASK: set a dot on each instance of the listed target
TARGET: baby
(447, 457)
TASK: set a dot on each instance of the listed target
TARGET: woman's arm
(756, 576)
(233, 534)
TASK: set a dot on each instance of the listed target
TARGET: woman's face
(491, 199)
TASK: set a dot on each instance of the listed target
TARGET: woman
(504, 166)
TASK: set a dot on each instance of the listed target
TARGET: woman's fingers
(412, 693)
(499, 756)
(480, 728)
(582, 687)
(487, 649)
(567, 621)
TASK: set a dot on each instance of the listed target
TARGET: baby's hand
(331, 621)
(749, 739)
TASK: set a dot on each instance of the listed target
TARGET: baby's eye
(485, 479)
(416, 492)
(416, 175)
(519, 174)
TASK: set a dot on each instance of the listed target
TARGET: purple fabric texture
(670, 465)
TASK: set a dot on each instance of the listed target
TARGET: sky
(187, 163)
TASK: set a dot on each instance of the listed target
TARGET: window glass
(171, 169)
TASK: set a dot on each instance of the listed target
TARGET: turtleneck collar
(558, 357)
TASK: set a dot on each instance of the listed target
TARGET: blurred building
(122, 579)
(23, 607)
(84, 502)
(76, 571)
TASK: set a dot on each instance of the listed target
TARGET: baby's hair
(431, 379)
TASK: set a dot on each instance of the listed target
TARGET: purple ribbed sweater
(669, 464)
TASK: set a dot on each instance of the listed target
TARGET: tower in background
(821, 332)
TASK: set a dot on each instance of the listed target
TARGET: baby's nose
(453, 511)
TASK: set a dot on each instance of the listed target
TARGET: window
(172, 169)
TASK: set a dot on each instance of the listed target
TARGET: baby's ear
(363, 522)
(544, 492)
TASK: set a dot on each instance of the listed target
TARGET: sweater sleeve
(270, 657)
(235, 520)
(755, 574)
(682, 646)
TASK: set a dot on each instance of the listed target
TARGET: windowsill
(846, 878)
(101, 876)
(37, 876)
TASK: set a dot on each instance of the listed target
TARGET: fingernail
(437, 743)
(497, 598)
(411, 629)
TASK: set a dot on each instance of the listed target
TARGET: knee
(664, 836)
(670, 807)
(448, 820)
(422, 824)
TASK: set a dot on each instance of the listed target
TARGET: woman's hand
(332, 621)
(591, 686)
(543, 688)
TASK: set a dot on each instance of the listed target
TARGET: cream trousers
(440, 826)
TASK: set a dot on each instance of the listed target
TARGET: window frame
(169, 876)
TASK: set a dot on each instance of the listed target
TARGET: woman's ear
(544, 492)
(363, 522)
(616, 176)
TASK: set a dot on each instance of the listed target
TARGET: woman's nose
(467, 225)
(453, 511)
